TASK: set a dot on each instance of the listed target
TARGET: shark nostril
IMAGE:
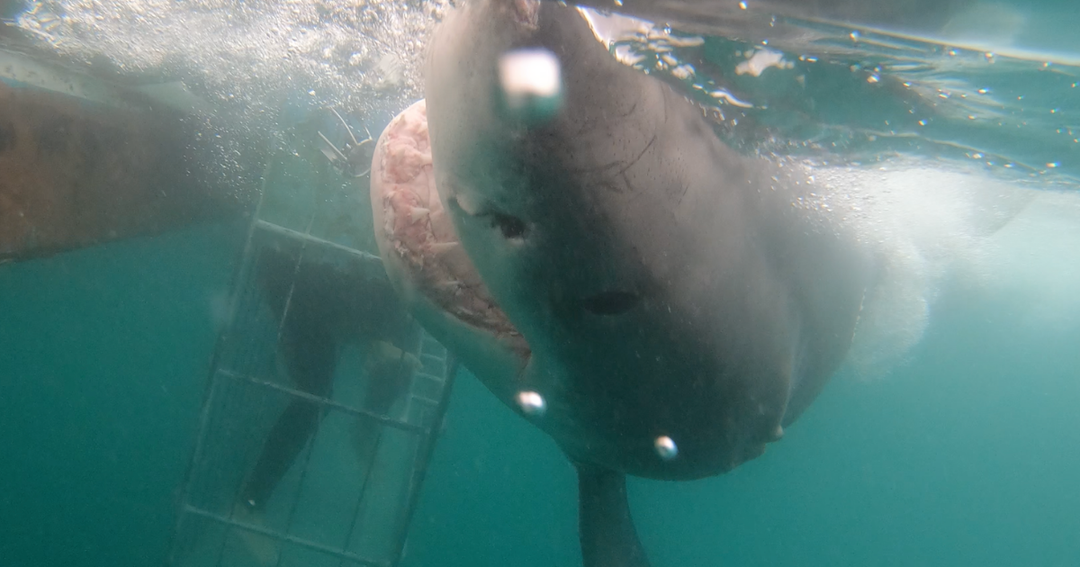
(610, 302)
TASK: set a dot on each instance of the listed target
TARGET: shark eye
(511, 227)
(610, 302)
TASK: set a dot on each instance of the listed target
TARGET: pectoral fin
(608, 537)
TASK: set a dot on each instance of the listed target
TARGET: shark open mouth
(418, 237)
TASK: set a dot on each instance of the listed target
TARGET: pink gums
(422, 238)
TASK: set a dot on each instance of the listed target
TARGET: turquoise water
(965, 456)
(104, 363)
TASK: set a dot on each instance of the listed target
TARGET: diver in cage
(322, 307)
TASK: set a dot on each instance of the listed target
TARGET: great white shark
(658, 303)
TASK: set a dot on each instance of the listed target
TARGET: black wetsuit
(330, 306)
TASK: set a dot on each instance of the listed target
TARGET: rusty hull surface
(74, 173)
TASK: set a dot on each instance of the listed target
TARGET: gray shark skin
(679, 305)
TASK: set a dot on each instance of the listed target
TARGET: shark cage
(325, 398)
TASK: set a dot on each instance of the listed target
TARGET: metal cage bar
(237, 406)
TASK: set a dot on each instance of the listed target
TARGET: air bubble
(530, 82)
(531, 403)
(666, 448)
